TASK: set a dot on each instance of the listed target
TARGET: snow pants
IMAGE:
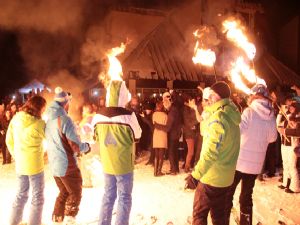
(289, 162)
(208, 198)
(37, 184)
(114, 185)
(246, 203)
(69, 197)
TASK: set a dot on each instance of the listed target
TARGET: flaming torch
(203, 56)
(234, 32)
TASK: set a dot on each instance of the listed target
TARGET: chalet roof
(274, 71)
(163, 53)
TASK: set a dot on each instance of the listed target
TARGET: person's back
(116, 130)
(258, 129)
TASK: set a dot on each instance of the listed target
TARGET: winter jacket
(62, 141)
(221, 144)
(24, 141)
(116, 130)
(174, 124)
(258, 129)
(160, 137)
(189, 122)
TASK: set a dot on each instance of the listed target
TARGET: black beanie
(222, 89)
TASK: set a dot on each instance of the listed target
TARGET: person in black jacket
(173, 127)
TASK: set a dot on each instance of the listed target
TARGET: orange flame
(205, 57)
(240, 69)
(234, 32)
(115, 68)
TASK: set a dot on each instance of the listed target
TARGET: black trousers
(246, 202)
(208, 198)
(173, 154)
(69, 197)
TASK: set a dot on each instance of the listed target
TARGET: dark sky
(30, 47)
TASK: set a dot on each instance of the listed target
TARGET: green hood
(228, 108)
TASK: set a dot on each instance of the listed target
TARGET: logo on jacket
(110, 140)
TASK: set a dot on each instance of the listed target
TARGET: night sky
(49, 47)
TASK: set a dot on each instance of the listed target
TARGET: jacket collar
(219, 104)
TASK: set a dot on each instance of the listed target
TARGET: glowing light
(203, 56)
(234, 32)
(241, 69)
(139, 94)
(115, 67)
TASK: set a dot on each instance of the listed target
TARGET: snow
(156, 200)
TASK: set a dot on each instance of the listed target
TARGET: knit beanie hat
(260, 89)
(61, 96)
(222, 89)
(117, 94)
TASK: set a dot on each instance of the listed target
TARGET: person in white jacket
(258, 129)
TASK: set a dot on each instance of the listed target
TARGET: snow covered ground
(156, 200)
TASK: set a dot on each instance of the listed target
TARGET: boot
(246, 216)
(160, 164)
(155, 165)
(151, 158)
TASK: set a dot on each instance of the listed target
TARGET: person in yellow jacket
(214, 172)
(24, 141)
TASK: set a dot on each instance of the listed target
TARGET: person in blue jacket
(63, 144)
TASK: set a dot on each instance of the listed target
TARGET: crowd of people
(222, 138)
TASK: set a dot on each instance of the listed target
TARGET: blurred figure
(86, 135)
(63, 146)
(24, 141)
(101, 103)
(160, 138)
(4, 123)
(189, 130)
(290, 129)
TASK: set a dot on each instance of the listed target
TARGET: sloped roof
(275, 71)
(163, 51)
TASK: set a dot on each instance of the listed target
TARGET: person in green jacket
(214, 172)
(24, 141)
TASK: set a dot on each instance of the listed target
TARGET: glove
(89, 150)
(191, 182)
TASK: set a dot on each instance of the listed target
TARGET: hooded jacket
(116, 130)
(258, 129)
(62, 141)
(24, 141)
(221, 144)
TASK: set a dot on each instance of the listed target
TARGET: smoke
(69, 83)
(47, 15)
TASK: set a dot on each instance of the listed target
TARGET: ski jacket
(116, 130)
(258, 129)
(62, 141)
(24, 141)
(221, 144)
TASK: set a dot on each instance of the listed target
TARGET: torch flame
(234, 33)
(115, 67)
(205, 57)
(240, 69)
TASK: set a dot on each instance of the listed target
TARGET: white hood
(263, 108)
